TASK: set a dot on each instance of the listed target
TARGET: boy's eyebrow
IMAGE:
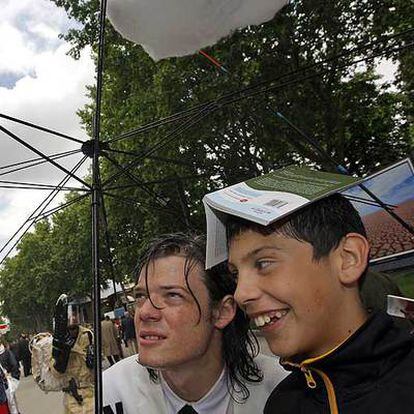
(141, 289)
(169, 287)
(258, 250)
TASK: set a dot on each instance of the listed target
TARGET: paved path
(32, 400)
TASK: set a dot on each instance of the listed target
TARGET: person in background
(118, 325)
(8, 360)
(11, 369)
(128, 332)
(110, 337)
(25, 355)
(4, 406)
(14, 347)
(72, 360)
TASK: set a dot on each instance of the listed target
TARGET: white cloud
(50, 90)
(27, 13)
(15, 55)
(27, 27)
(58, 88)
(45, 30)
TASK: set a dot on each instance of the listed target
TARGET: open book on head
(264, 200)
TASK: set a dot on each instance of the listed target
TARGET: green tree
(22, 287)
(360, 122)
(51, 260)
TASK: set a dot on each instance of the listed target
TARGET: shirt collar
(217, 398)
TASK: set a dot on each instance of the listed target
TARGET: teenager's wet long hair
(240, 346)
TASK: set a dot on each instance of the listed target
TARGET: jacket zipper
(311, 383)
(333, 405)
(309, 377)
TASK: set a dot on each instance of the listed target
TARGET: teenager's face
(295, 297)
(175, 334)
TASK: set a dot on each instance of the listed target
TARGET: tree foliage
(53, 259)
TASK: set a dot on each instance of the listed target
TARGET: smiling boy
(298, 280)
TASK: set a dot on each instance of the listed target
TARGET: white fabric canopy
(167, 28)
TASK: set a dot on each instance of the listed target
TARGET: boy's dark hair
(323, 224)
(239, 344)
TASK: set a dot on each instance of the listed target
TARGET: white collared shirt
(216, 401)
(128, 385)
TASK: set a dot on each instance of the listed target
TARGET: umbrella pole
(95, 206)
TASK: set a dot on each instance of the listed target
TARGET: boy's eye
(174, 295)
(263, 264)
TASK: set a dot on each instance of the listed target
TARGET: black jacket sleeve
(10, 364)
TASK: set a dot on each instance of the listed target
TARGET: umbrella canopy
(167, 28)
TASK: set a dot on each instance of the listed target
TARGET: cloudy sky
(39, 83)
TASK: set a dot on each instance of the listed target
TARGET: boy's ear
(354, 251)
(225, 312)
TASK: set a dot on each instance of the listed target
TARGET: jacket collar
(367, 354)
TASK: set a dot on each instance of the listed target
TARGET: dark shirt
(24, 351)
(14, 347)
(9, 363)
(3, 387)
(128, 328)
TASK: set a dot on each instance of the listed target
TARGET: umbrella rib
(139, 154)
(159, 200)
(39, 186)
(165, 141)
(42, 206)
(54, 210)
(35, 164)
(40, 128)
(44, 156)
(60, 154)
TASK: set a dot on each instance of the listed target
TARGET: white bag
(11, 394)
(41, 349)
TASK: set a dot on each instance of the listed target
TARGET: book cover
(264, 200)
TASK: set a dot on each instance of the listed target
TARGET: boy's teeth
(261, 320)
(265, 319)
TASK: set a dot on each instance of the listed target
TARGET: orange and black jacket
(372, 372)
